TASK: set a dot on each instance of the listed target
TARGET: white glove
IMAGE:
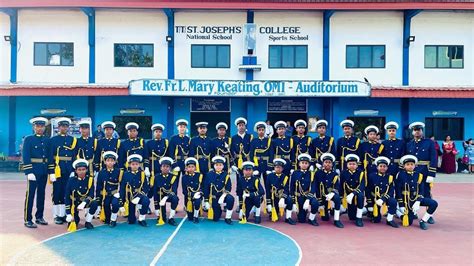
(197, 195)
(207, 206)
(245, 195)
(122, 209)
(163, 201)
(281, 203)
(136, 200)
(402, 210)
(68, 218)
(306, 205)
(416, 206)
(81, 206)
(31, 177)
(95, 175)
(176, 169)
(117, 195)
(295, 208)
(147, 172)
(321, 207)
(379, 202)
(235, 169)
(269, 208)
(97, 211)
(338, 171)
(52, 177)
(429, 179)
(269, 172)
(318, 166)
(71, 174)
(256, 172)
(329, 196)
(349, 198)
(221, 199)
(291, 171)
(311, 168)
(370, 209)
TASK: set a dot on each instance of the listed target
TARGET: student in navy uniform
(370, 150)
(133, 145)
(327, 189)
(260, 151)
(322, 143)
(278, 193)
(221, 146)
(191, 183)
(108, 143)
(250, 192)
(394, 148)
(217, 187)
(156, 149)
(134, 188)
(80, 195)
(348, 144)
(35, 165)
(353, 185)
(107, 189)
(304, 191)
(425, 152)
(86, 146)
(301, 142)
(380, 192)
(410, 185)
(179, 146)
(282, 147)
(61, 153)
(240, 144)
(200, 148)
(166, 190)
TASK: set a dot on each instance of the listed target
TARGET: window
(53, 54)
(365, 56)
(210, 56)
(442, 127)
(361, 122)
(444, 56)
(288, 56)
(133, 55)
(144, 123)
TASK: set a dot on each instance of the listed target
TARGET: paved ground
(449, 242)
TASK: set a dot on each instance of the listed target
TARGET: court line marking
(13, 260)
(300, 252)
(167, 243)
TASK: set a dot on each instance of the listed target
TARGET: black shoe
(431, 220)
(369, 214)
(88, 225)
(228, 221)
(142, 223)
(196, 220)
(41, 221)
(325, 218)
(359, 222)
(313, 222)
(423, 225)
(171, 221)
(30, 224)
(106, 222)
(290, 221)
(58, 220)
(113, 224)
(130, 222)
(64, 218)
(392, 223)
(258, 219)
(338, 224)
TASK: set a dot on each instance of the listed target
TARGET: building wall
(367, 28)
(4, 48)
(41, 25)
(4, 127)
(310, 26)
(127, 26)
(442, 28)
(183, 43)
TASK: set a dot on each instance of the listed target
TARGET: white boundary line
(167, 243)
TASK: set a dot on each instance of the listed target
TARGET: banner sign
(238, 88)
(210, 105)
(276, 105)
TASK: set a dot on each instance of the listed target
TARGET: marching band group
(275, 177)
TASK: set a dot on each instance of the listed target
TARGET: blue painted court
(204, 243)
